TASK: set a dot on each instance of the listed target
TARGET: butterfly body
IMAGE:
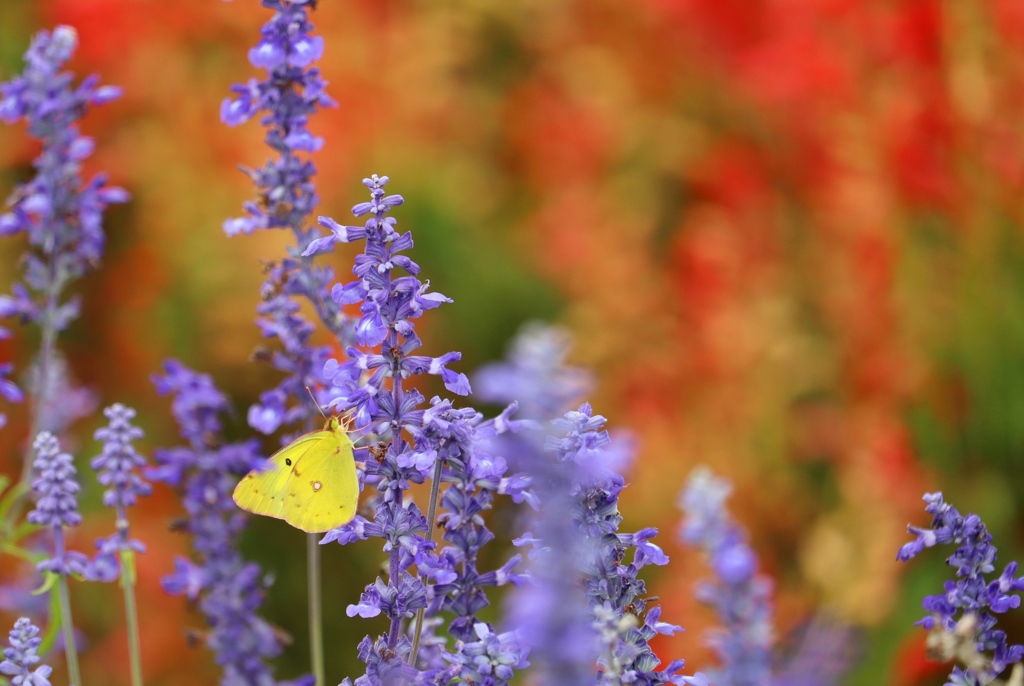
(310, 483)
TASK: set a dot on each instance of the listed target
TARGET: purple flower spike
(117, 467)
(577, 530)
(963, 617)
(60, 214)
(57, 506)
(118, 464)
(229, 590)
(286, 98)
(20, 658)
(740, 596)
(535, 375)
(410, 444)
(56, 484)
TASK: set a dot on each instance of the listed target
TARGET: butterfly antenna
(313, 398)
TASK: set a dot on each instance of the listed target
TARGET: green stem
(132, 615)
(316, 629)
(435, 485)
(68, 627)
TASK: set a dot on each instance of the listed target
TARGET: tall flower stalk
(290, 93)
(227, 589)
(60, 214)
(413, 444)
(963, 619)
(742, 598)
(118, 469)
(57, 508)
(575, 467)
(600, 613)
(739, 594)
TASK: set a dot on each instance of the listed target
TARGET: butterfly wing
(322, 489)
(263, 492)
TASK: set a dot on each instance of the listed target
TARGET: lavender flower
(57, 506)
(549, 612)
(21, 656)
(612, 584)
(288, 96)
(61, 401)
(229, 590)
(578, 529)
(963, 617)
(740, 596)
(492, 658)
(8, 390)
(535, 374)
(415, 442)
(117, 468)
(60, 215)
(824, 652)
(462, 441)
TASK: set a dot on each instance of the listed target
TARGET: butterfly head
(339, 424)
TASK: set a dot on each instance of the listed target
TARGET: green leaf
(19, 552)
(49, 579)
(11, 497)
(52, 627)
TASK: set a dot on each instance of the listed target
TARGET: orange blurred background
(786, 235)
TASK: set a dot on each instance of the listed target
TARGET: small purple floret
(20, 659)
(973, 594)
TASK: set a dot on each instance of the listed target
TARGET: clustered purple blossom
(581, 472)
(57, 506)
(740, 596)
(461, 440)
(228, 589)
(535, 375)
(474, 476)
(9, 391)
(412, 443)
(117, 468)
(823, 653)
(550, 612)
(972, 598)
(20, 658)
(59, 213)
(742, 599)
(62, 401)
(290, 93)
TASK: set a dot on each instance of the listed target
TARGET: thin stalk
(46, 348)
(132, 616)
(394, 570)
(67, 624)
(68, 627)
(393, 573)
(316, 629)
(431, 514)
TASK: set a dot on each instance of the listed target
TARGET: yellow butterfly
(310, 483)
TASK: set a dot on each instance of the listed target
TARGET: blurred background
(785, 234)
